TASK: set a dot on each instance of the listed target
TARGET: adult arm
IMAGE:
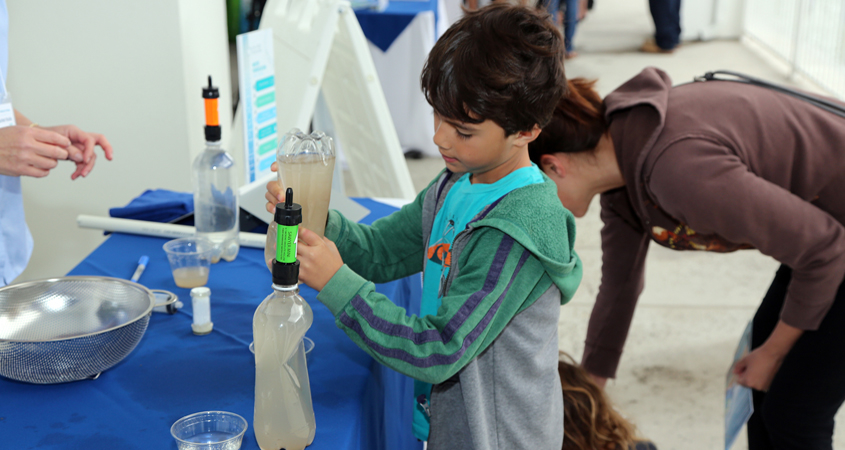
(702, 183)
(29, 150)
(624, 250)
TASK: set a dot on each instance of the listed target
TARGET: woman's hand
(318, 259)
(600, 381)
(758, 368)
(81, 150)
(33, 152)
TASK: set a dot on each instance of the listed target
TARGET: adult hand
(318, 259)
(757, 369)
(82, 146)
(582, 9)
(600, 381)
(32, 152)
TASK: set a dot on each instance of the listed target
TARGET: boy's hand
(318, 258)
(275, 193)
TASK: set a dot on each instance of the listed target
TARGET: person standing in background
(573, 12)
(666, 15)
(566, 14)
(27, 149)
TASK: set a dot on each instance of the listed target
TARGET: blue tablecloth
(382, 28)
(358, 403)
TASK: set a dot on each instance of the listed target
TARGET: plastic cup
(209, 430)
(190, 260)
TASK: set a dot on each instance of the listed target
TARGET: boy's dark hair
(501, 62)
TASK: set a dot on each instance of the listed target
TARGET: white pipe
(156, 229)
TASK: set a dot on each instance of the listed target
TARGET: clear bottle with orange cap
(215, 192)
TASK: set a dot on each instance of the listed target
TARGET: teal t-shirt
(464, 202)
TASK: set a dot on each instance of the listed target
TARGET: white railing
(808, 34)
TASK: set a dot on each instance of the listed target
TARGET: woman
(718, 166)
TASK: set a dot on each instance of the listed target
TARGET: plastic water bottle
(284, 414)
(306, 164)
(215, 192)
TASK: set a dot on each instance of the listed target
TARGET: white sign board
(257, 81)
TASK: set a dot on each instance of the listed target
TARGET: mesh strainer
(70, 328)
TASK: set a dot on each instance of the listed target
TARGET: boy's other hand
(275, 194)
(318, 258)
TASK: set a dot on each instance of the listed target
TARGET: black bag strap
(737, 77)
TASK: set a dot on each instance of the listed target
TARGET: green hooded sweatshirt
(493, 341)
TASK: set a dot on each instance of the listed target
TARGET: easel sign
(318, 46)
(257, 82)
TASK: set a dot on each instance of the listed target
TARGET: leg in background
(570, 23)
(552, 7)
(667, 22)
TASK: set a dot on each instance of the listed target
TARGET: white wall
(130, 70)
(711, 19)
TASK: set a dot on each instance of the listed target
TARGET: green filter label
(286, 243)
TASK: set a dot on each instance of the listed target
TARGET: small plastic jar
(201, 303)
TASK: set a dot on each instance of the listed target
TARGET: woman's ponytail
(577, 125)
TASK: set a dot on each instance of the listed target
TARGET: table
(358, 403)
(400, 39)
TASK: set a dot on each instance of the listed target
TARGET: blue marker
(142, 264)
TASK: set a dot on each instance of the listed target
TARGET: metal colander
(70, 328)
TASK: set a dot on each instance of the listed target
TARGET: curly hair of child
(589, 421)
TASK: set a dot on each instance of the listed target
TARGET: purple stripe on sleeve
(404, 331)
(435, 359)
(462, 314)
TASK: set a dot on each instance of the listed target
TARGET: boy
(491, 237)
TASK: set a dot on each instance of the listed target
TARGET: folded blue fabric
(156, 205)
(383, 27)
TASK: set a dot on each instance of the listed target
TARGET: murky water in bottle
(284, 414)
